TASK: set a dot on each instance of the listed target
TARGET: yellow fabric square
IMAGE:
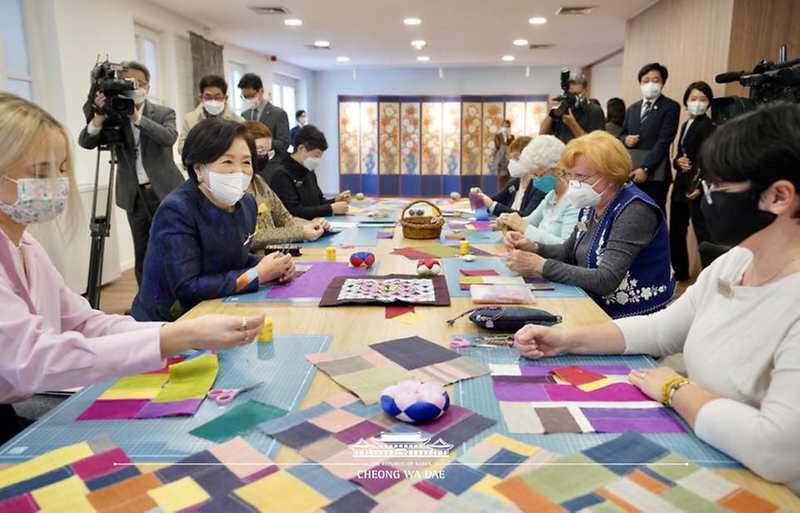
(190, 379)
(410, 318)
(281, 491)
(511, 444)
(45, 463)
(596, 385)
(470, 279)
(178, 495)
(486, 487)
(142, 381)
(55, 495)
(130, 393)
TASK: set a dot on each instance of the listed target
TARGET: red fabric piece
(577, 376)
(479, 272)
(396, 311)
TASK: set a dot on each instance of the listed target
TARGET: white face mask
(650, 90)
(583, 195)
(38, 200)
(302, 121)
(214, 107)
(137, 95)
(312, 163)
(697, 108)
(516, 169)
(228, 188)
(271, 154)
(252, 103)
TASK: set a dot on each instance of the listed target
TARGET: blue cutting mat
(475, 236)
(281, 365)
(452, 271)
(478, 394)
(356, 236)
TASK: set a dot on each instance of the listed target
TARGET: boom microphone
(728, 76)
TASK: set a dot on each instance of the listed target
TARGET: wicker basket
(422, 227)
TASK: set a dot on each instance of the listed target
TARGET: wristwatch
(646, 169)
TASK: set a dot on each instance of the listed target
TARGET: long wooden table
(354, 326)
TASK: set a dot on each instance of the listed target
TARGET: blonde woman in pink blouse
(50, 337)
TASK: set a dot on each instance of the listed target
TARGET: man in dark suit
(146, 170)
(648, 131)
(259, 108)
(301, 117)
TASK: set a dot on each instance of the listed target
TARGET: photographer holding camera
(144, 135)
(574, 115)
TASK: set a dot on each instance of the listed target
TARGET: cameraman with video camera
(574, 115)
(143, 134)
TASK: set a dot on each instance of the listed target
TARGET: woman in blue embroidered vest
(202, 232)
(619, 250)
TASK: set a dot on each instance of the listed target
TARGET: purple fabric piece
(181, 408)
(353, 434)
(638, 425)
(520, 392)
(113, 409)
(524, 379)
(627, 413)
(482, 226)
(453, 415)
(386, 235)
(617, 392)
(314, 281)
(378, 484)
(543, 370)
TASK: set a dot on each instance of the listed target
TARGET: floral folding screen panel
(427, 145)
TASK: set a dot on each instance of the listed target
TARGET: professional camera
(567, 100)
(768, 82)
(105, 79)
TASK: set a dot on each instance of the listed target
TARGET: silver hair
(542, 153)
(579, 79)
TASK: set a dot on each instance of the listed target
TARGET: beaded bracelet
(670, 386)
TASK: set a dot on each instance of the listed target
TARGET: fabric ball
(455, 196)
(360, 196)
(429, 267)
(414, 401)
(362, 259)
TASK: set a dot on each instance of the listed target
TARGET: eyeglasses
(218, 97)
(708, 189)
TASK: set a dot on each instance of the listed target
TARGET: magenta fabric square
(520, 392)
(543, 370)
(179, 408)
(353, 434)
(379, 478)
(314, 281)
(618, 392)
(114, 409)
(98, 465)
(453, 415)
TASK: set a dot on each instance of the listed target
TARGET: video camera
(567, 100)
(768, 82)
(105, 79)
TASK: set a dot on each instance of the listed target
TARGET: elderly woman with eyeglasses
(738, 326)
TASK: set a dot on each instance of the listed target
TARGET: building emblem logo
(401, 445)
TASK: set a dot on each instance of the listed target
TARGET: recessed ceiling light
(343, 59)
(322, 44)
(412, 21)
(418, 44)
(293, 22)
(537, 20)
(520, 42)
(423, 58)
(508, 58)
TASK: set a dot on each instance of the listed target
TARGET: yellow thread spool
(265, 335)
(330, 254)
(463, 247)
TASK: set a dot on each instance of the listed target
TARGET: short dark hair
(213, 81)
(209, 139)
(311, 138)
(250, 80)
(647, 68)
(615, 111)
(759, 146)
(299, 113)
(700, 86)
(138, 66)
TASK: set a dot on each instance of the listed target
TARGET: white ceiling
(458, 32)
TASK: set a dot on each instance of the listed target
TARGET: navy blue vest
(649, 284)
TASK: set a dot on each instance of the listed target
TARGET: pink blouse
(50, 338)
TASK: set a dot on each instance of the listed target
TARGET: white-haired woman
(518, 195)
(553, 220)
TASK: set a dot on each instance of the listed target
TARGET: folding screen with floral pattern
(427, 145)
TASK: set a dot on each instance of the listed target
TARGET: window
(235, 72)
(15, 69)
(284, 94)
(147, 54)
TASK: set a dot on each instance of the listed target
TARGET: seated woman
(268, 157)
(202, 232)
(518, 195)
(553, 220)
(738, 326)
(274, 224)
(50, 337)
(619, 249)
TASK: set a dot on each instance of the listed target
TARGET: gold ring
(243, 326)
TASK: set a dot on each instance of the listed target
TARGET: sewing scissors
(225, 396)
(460, 343)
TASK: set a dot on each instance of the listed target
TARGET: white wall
(305, 79)
(606, 83)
